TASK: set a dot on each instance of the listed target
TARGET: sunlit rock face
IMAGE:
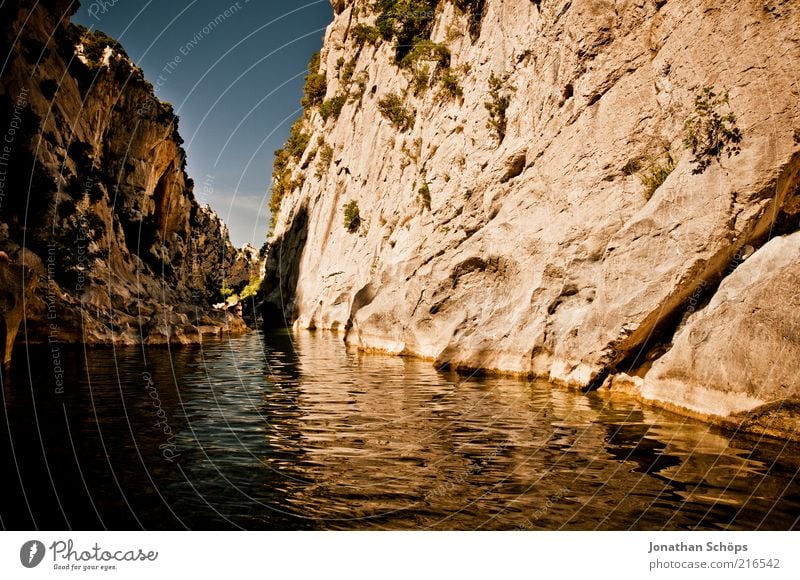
(740, 353)
(541, 251)
(95, 188)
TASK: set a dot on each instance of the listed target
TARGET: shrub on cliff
(451, 84)
(363, 34)
(474, 9)
(655, 174)
(497, 105)
(282, 175)
(298, 140)
(332, 107)
(424, 195)
(316, 84)
(324, 161)
(427, 51)
(225, 291)
(251, 289)
(404, 21)
(708, 133)
(393, 108)
(346, 71)
(352, 217)
(424, 55)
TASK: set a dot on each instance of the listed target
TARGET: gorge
(533, 265)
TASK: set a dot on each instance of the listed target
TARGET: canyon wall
(572, 190)
(95, 202)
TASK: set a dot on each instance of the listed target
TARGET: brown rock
(16, 288)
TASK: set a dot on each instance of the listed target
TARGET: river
(294, 431)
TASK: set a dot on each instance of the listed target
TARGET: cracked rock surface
(542, 254)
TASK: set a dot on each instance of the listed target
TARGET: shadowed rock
(16, 288)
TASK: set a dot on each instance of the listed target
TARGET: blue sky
(235, 79)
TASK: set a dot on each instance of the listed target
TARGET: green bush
(333, 107)
(316, 84)
(451, 84)
(324, 161)
(251, 289)
(424, 195)
(298, 140)
(405, 22)
(347, 70)
(497, 106)
(420, 79)
(393, 108)
(363, 34)
(361, 81)
(226, 291)
(427, 51)
(708, 133)
(655, 174)
(352, 217)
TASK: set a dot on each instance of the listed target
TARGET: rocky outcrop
(739, 354)
(17, 284)
(532, 191)
(94, 184)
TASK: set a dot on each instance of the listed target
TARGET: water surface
(293, 431)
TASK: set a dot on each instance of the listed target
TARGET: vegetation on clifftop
(404, 22)
(316, 84)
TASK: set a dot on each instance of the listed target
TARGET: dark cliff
(94, 186)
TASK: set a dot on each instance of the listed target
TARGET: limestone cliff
(93, 184)
(550, 188)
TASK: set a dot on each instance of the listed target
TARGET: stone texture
(562, 268)
(740, 352)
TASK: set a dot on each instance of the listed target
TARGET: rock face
(16, 288)
(533, 205)
(740, 352)
(93, 183)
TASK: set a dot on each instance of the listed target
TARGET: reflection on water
(291, 431)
